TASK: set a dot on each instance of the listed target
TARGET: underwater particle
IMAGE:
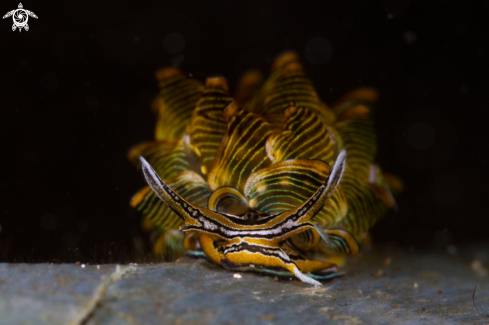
(421, 135)
(415, 285)
(379, 273)
(409, 37)
(237, 276)
(452, 249)
(439, 292)
(318, 50)
(390, 16)
(174, 43)
(48, 222)
(83, 266)
(177, 60)
(476, 266)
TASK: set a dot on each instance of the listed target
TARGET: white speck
(252, 265)
(83, 266)
(451, 249)
(477, 266)
(415, 285)
(98, 267)
(237, 276)
(409, 37)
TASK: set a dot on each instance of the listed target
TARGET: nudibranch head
(273, 181)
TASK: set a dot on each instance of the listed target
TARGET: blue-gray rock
(385, 286)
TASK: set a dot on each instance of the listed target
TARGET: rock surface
(381, 287)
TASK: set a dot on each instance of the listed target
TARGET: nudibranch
(271, 181)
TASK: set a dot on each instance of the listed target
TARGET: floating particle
(409, 37)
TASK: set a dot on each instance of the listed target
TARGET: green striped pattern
(304, 136)
(270, 157)
(169, 157)
(295, 88)
(304, 240)
(242, 151)
(286, 185)
(208, 126)
(286, 85)
(339, 243)
(276, 121)
(367, 203)
(286, 90)
(257, 101)
(358, 138)
(174, 104)
(187, 184)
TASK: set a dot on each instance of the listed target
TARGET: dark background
(75, 92)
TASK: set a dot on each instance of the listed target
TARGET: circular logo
(20, 17)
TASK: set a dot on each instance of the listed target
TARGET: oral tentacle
(165, 193)
(307, 210)
(301, 276)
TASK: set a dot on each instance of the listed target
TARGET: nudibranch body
(270, 181)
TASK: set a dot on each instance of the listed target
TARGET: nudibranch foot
(327, 276)
(197, 254)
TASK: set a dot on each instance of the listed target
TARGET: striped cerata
(271, 181)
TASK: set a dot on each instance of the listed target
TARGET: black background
(75, 92)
